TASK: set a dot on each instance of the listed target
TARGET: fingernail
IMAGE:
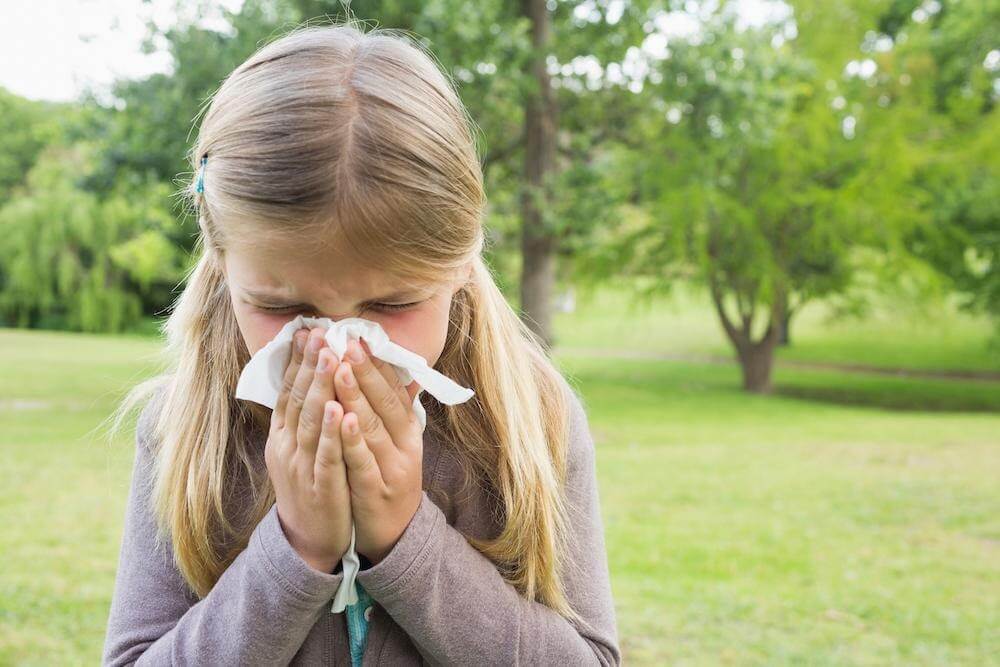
(300, 343)
(323, 363)
(356, 354)
(316, 342)
(349, 376)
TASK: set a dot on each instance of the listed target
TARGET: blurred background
(762, 238)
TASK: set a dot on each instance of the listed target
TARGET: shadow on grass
(887, 393)
(715, 387)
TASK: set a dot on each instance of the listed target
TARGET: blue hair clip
(200, 187)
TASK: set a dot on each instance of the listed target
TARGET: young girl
(337, 176)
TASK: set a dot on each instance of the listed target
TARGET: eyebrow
(273, 297)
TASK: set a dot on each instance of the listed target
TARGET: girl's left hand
(384, 456)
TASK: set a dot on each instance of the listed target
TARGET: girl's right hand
(304, 457)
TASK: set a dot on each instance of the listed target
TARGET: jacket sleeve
(457, 609)
(258, 613)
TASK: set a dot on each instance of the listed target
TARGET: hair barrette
(200, 187)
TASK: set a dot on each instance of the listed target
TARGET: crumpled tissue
(262, 377)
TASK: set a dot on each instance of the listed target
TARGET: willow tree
(76, 261)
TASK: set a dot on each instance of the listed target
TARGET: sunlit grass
(751, 530)
(935, 337)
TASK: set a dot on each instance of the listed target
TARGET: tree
(938, 85)
(28, 127)
(751, 184)
(76, 261)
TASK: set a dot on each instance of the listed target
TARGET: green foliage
(76, 261)
(28, 127)
(933, 102)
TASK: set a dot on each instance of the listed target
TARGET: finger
(373, 429)
(408, 392)
(300, 388)
(329, 472)
(320, 391)
(388, 372)
(297, 345)
(364, 474)
(386, 406)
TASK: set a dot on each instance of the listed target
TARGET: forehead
(310, 275)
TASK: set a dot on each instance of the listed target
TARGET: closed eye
(389, 307)
(381, 307)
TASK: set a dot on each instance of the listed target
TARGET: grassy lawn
(892, 336)
(745, 530)
(851, 519)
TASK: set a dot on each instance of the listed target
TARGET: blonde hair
(359, 139)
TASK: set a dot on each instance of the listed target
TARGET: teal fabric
(357, 626)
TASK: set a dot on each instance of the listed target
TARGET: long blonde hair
(359, 139)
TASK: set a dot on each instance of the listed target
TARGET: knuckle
(299, 465)
(391, 481)
(329, 455)
(372, 423)
(323, 356)
(393, 381)
(297, 396)
(340, 379)
(307, 424)
(367, 464)
(388, 402)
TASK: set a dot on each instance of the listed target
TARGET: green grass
(62, 490)
(931, 338)
(753, 530)
(790, 529)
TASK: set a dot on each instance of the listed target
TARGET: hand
(304, 459)
(384, 456)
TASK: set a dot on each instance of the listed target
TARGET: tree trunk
(537, 244)
(785, 339)
(756, 361)
(756, 357)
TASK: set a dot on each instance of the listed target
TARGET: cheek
(258, 328)
(422, 331)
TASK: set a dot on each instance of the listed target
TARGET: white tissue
(261, 380)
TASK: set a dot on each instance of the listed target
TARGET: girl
(338, 176)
